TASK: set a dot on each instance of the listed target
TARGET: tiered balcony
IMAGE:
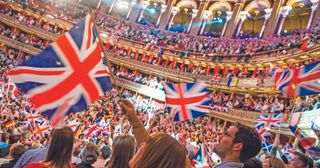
(234, 115)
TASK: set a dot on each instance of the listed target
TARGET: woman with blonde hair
(272, 161)
(123, 149)
(159, 150)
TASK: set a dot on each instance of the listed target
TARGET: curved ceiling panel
(261, 4)
(291, 2)
(221, 6)
(187, 4)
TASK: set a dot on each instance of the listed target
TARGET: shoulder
(35, 165)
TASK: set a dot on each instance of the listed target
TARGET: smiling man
(238, 144)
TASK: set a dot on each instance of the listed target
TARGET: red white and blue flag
(305, 140)
(288, 151)
(298, 82)
(187, 101)
(201, 158)
(41, 129)
(267, 121)
(69, 70)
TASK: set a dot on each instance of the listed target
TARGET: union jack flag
(201, 158)
(32, 115)
(298, 82)
(41, 129)
(267, 121)
(70, 69)
(305, 140)
(187, 101)
(288, 151)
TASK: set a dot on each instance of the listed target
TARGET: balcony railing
(259, 58)
(20, 46)
(184, 76)
(234, 115)
(32, 29)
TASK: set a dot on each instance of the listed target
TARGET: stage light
(122, 4)
(152, 10)
(220, 20)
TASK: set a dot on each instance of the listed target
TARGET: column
(316, 17)
(274, 18)
(135, 11)
(194, 14)
(162, 10)
(243, 17)
(284, 13)
(175, 10)
(132, 3)
(166, 15)
(206, 15)
(232, 25)
(229, 14)
(111, 7)
(266, 18)
(313, 9)
(144, 6)
(196, 26)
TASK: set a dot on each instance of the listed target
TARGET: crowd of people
(156, 39)
(126, 129)
(23, 37)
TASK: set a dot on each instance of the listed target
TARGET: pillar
(229, 15)
(135, 11)
(132, 3)
(274, 18)
(266, 18)
(206, 15)
(162, 10)
(175, 10)
(232, 25)
(316, 17)
(284, 13)
(313, 9)
(194, 14)
(196, 26)
(144, 6)
(111, 7)
(243, 17)
(166, 15)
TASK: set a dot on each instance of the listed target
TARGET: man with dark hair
(237, 145)
(299, 160)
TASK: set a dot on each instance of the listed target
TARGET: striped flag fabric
(187, 101)
(233, 81)
(304, 140)
(70, 69)
(9, 124)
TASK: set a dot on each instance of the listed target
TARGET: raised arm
(140, 133)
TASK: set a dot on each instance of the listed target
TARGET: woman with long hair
(123, 149)
(159, 150)
(60, 150)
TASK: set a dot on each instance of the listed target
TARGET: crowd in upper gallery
(159, 39)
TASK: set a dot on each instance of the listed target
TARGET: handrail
(234, 115)
(263, 57)
(19, 45)
(32, 29)
(243, 82)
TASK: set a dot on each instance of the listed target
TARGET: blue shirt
(30, 156)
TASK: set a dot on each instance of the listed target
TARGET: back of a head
(123, 149)
(105, 152)
(90, 154)
(61, 146)
(274, 162)
(17, 150)
(250, 139)
(162, 150)
(303, 160)
(253, 163)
